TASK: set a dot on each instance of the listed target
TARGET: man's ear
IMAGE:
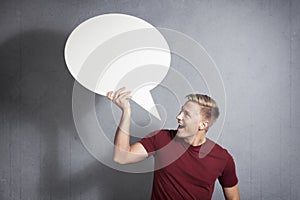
(203, 125)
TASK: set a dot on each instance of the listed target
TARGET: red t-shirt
(187, 172)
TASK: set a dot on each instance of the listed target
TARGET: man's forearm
(122, 137)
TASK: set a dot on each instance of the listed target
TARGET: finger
(121, 89)
(118, 92)
(124, 94)
(110, 95)
(124, 97)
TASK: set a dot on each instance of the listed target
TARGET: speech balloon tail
(144, 98)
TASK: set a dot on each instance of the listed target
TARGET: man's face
(189, 120)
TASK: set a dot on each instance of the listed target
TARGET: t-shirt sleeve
(149, 143)
(228, 177)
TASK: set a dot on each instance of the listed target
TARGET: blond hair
(209, 108)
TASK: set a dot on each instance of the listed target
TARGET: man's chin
(180, 133)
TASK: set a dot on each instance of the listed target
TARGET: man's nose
(179, 116)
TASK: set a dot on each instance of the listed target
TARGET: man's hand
(120, 98)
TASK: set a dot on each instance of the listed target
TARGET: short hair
(209, 108)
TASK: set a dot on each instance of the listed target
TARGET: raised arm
(125, 153)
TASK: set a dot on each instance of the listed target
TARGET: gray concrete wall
(255, 44)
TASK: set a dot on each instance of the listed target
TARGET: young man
(187, 163)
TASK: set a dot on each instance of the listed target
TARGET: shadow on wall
(47, 159)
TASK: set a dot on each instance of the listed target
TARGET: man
(187, 163)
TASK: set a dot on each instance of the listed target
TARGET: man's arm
(125, 153)
(232, 193)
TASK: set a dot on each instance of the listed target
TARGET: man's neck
(197, 140)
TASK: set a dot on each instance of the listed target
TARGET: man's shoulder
(162, 136)
(158, 139)
(163, 133)
(170, 132)
(218, 149)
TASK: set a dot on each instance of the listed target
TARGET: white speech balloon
(99, 53)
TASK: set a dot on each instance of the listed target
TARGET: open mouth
(180, 126)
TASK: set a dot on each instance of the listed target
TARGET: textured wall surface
(255, 44)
